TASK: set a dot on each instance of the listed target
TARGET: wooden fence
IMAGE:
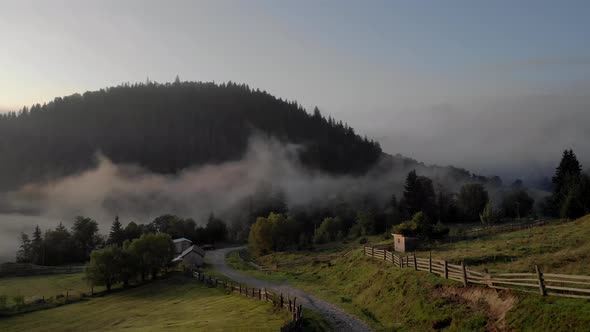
(25, 269)
(261, 294)
(485, 231)
(563, 285)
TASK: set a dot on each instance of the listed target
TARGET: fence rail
(485, 231)
(261, 294)
(564, 285)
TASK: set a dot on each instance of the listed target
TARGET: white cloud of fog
(136, 194)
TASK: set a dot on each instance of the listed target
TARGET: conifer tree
(117, 234)
(38, 255)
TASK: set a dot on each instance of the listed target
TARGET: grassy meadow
(175, 304)
(558, 247)
(388, 298)
(45, 286)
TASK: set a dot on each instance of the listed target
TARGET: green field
(404, 300)
(558, 247)
(45, 286)
(176, 304)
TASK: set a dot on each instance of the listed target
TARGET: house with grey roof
(192, 256)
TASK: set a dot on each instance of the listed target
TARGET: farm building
(404, 243)
(182, 244)
(192, 257)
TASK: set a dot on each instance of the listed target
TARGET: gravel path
(340, 320)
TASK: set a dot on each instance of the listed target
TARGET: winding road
(340, 320)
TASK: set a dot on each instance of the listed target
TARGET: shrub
(3, 301)
(330, 230)
(408, 228)
(19, 300)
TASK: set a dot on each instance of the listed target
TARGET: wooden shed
(404, 243)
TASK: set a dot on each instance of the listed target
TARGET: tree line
(424, 211)
(61, 246)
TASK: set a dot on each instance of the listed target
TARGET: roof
(182, 239)
(194, 249)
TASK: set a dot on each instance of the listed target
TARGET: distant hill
(166, 128)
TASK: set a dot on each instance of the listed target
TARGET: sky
(498, 87)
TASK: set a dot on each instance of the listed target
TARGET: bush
(3, 301)
(363, 240)
(330, 229)
(439, 231)
(19, 300)
(408, 228)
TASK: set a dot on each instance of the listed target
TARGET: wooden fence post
(295, 308)
(446, 270)
(430, 262)
(372, 251)
(399, 262)
(240, 289)
(281, 300)
(464, 273)
(415, 263)
(266, 295)
(541, 281)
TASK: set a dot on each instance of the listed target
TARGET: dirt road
(340, 320)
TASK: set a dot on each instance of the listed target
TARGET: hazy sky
(494, 86)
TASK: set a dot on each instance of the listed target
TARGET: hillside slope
(390, 298)
(166, 128)
(558, 247)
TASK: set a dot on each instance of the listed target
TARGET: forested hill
(168, 127)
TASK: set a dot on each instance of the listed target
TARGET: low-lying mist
(136, 194)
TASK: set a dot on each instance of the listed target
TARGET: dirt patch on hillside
(495, 303)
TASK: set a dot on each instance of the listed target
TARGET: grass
(559, 247)
(45, 286)
(175, 304)
(388, 298)
(378, 294)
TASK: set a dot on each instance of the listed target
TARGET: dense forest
(166, 128)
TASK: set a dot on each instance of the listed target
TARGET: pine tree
(565, 182)
(38, 254)
(117, 234)
(24, 254)
(411, 189)
(419, 195)
(569, 169)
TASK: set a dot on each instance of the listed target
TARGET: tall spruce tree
(569, 170)
(24, 254)
(117, 234)
(38, 252)
(419, 195)
(565, 201)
